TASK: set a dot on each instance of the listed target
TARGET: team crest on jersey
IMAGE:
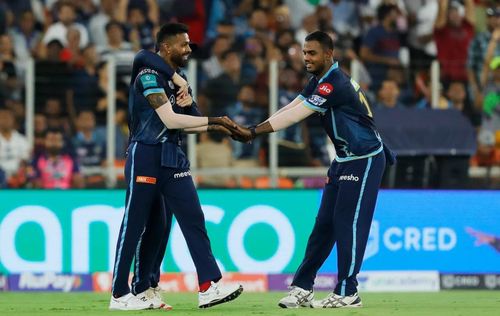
(325, 89)
(172, 99)
(171, 84)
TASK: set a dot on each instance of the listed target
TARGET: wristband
(252, 131)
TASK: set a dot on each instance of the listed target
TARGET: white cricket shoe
(297, 297)
(338, 301)
(218, 294)
(130, 302)
(158, 298)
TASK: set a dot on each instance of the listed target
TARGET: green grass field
(466, 303)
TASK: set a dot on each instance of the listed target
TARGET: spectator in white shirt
(14, 148)
(57, 31)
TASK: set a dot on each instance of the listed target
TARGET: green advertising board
(76, 231)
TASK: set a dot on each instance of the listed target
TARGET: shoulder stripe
(154, 90)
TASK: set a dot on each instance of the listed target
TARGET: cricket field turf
(447, 303)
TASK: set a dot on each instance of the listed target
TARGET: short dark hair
(384, 9)
(112, 23)
(323, 38)
(170, 29)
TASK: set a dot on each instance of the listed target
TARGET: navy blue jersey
(345, 114)
(152, 75)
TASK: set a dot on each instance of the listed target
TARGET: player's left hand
(184, 100)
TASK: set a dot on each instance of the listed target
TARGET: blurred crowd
(387, 45)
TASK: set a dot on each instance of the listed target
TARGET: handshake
(225, 125)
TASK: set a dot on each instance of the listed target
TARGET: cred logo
(325, 89)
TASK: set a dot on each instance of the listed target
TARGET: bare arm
(470, 14)
(172, 120)
(153, 11)
(288, 118)
(490, 53)
(120, 14)
(290, 105)
(442, 14)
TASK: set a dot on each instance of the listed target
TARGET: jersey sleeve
(321, 98)
(148, 83)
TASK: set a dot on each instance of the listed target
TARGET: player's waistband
(373, 153)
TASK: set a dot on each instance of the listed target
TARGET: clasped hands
(227, 126)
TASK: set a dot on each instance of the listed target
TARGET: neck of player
(327, 67)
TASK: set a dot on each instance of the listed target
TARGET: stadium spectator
(245, 113)
(421, 18)
(57, 118)
(292, 141)
(54, 168)
(457, 99)
(309, 24)
(117, 46)
(452, 29)
(381, 45)
(490, 127)
(14, 147)
(345, 18)
(97, 23)
(26, 37)
(67, 17)
(388, 95)
(9, 88)
(140, 28)
(72, 54)
(40, 127)
(281, 18)
(85, 88)
(212, 67)
(477, 52)
(214, 151)
(89, 145)
(222, 91)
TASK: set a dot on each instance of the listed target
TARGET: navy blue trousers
(148, 181)
(152, 248)
(344, 218)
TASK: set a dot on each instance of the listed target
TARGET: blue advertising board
(447, 231)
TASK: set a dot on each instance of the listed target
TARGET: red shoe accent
(205, 286)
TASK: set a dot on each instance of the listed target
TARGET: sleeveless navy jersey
(345, 114)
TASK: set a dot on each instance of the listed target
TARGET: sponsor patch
(171, 84)
(148, 81)
(316, 100)
(144, 179)
(325, 89)
(182, 174)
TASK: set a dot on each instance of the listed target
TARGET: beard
(179, 60)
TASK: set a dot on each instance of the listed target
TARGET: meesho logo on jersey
(350, 177)
(325, 89)
(182, 174)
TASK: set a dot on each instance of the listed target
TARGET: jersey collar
(332, 68)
